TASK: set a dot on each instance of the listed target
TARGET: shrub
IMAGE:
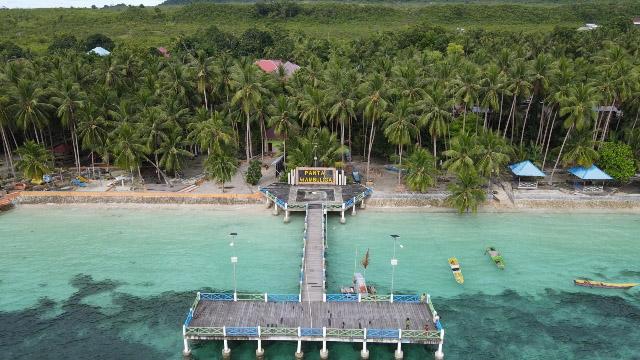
(617, 160)
(96, 40)
(254, 172)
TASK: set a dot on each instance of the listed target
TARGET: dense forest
(430, 99)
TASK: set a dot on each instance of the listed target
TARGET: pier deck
(314, 283)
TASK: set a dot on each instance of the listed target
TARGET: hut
(527, 174)
(271, 66)
(590, 179)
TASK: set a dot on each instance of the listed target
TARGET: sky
(69, 3)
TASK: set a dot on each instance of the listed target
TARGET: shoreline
(580, 207)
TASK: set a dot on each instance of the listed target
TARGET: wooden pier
(313, 314)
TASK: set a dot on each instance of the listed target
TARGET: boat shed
(590, 179)
(527, 174)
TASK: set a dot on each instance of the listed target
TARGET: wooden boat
(455, 267)
(604, 285)
(496, 257)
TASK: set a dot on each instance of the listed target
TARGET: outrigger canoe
(455, 267)
(496, 257)
(604, 285)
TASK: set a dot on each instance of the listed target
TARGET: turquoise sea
(115, 283)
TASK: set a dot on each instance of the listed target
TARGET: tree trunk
(247, 139)
(342, 139)
(364, 144)
(541, 125)
(157, 164)
(636, 120)
(7, 151)
(464, 117)
(486, 115)
(559, 154)
(435, 157)
(506, 126)
(400, 166)
(206, 103)
(548, 139)
(606, 124)
(524, 123)
(594, 136)
(500, 117)
(371, 135)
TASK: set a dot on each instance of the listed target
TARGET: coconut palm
(201, 65)
(462, 154)
(34, 160)
(579, 111)
(172, 152)
(128, 147)
(29, 107)
(284, 119)
(70, 100)
(373, 104)
(5, 123)
(210, 131)
(220, 167)
(436, 115)
(421, 171)
(313, 106)
(156, 132)
(317, 147)
(342, 104)
(466, 193)
(492, 154)
(92, 131)
(249, 90)
(400, 127)
(580, 151)
(466, 88)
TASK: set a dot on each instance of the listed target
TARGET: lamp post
(234, 261)
(394, 261)
(315, 158)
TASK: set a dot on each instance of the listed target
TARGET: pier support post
(299, 354)
(364, 353)
(268, 203)
(259, 350)
(226, 352)
(286, 216)
(276, 209)
(439, 355)
(353, 209)
(398, 355)
(363, 205)
(342, 219)
(324, 353)
(186, 352)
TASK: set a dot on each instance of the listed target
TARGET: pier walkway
(313, 314)
(313, 284)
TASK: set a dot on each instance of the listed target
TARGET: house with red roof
(271, 66)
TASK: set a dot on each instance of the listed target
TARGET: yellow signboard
(324, 176)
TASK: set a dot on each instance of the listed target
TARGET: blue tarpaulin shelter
(588, 176)
(100, 51)
(526, 169)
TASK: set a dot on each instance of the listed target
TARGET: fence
(373, 298)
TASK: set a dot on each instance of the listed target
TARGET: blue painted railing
(311, 332)
(282, 297)
(383, 333)
(438, 325)
(242, 331)
(187, 321)
(342, 297)
(406, 298)
(216, 296)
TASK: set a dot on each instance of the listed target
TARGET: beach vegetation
(467, 192)
(421, 170)
(617, 160)
(254, 172)
(35, 160)
(221, 167)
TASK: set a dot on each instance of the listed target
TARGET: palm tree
(400, 127)
(127, 147)
(210, 131)
(580, 151)
(315, 144)
(492, 84)
(342, 105)
(70, 100)
(5, 122)
(462, 154)
(313, 106)
(436, 107)
(467, 88)
(492, 154)
(467, 193)
(92, 131)
(201, 63)
(172, 152)
(34, 160)
(221, 167)
(421, 171)
(283, 119)
(373, 105)
(249, 91)
(519, 86)
(579, 111)
(155, 130)
(30, 111)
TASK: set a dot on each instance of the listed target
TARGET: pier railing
(318, 333)
(374, 298)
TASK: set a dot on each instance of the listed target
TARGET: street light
(315, 158)
(394, 261)
(234, 261)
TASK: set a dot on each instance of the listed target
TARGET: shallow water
(115, 283)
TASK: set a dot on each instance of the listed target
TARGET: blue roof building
(588, 176)
(526, 169)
